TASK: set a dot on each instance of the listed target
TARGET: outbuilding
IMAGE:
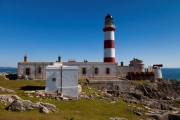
(62, 79)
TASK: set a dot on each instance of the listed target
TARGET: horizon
(146, 30)
(144, 68)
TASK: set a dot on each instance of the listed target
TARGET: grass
(82, 109)
(140, 81)
(82, 81)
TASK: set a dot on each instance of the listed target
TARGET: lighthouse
(109, 45)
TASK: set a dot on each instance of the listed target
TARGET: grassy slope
(140, 81)
(77, 110)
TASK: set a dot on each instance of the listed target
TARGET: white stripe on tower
(109, 46)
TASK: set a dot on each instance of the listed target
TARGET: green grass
(82, 109)
(82, 81)
(140, 81)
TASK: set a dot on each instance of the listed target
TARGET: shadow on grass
(32, 88)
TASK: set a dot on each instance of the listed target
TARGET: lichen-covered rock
(43, 110)
(21, 105)
(159, 115)
(47, 105)
(9, 98)
(138, 95)
(7, 90)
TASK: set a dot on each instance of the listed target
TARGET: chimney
(25, 58)
(59, 58)
(121, 63)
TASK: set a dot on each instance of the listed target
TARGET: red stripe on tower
(109, 44)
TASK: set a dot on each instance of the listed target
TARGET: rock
(7, 90)
(174, 117)
(29, 91)
(112, 102)
(9, 98)
(131, 101)
(168, 98)
(44, 110)
(138, 113)
(47, 105)
(65, 98)
(79, 88)
(138, 95)
(20, 105)
(107, 95)
(159, 115)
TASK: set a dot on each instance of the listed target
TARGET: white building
(62, 79)
(156, 69)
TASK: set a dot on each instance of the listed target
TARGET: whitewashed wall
(157, 72)
(88, 65)
(69, 83)
(90, 69)
(52, 86)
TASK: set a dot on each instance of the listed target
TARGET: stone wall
(123, 70)
(34, 66)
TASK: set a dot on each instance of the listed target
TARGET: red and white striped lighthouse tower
(109, 46)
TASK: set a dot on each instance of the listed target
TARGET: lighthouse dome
(108, 16)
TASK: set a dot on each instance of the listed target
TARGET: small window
(96, 71)
(53, 79)
(39, 70)
(83, 71)
(27, 71)
(107, 71)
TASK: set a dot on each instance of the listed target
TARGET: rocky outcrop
(159, 115)
(43, 110)
(7, 90)
(160, 97)
(24, 105)
(9, 98)
(174, 116)
(18, 104)
(21, 105)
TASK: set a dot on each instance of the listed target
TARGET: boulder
(138, 95)
(43, 110)
(47, 105)
(9, 98)
(20, 105)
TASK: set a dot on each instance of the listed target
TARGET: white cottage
(62, 79)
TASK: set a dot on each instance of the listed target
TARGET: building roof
(108, 16)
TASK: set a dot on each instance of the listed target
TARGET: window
(83, 71)
(27, 71)
(96, 71)
(39, 70)
(53, 79)
(107, 71)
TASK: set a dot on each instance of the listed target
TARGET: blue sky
(145, 29)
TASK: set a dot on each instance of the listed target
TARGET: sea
(169, 73)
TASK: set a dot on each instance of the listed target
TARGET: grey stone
(20, 105)
(138, 113)
(174, 117)
(44, 110)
